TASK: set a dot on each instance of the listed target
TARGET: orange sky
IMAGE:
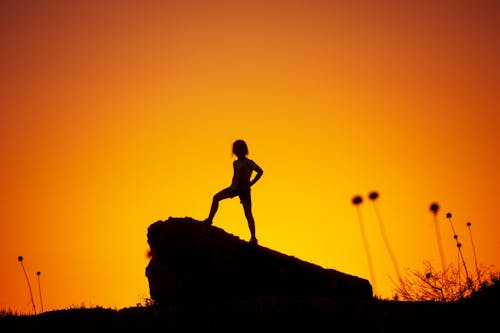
(116, 114)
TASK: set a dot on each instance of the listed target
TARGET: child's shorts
(245, 197)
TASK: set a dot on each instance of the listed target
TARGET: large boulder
(191, 260)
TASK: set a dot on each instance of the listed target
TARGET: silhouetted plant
(473, 248)
(429, 284)
(39, 290)
(357, 200)
(20, 259)
(446, 285)
(373, 197)
(488, 288)
(7, 313)
(434, 208)
(146, 302)
(459, 246)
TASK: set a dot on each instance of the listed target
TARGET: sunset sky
(117, 114)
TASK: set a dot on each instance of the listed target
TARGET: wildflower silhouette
(473, 249)
(357, 200)
(373, 197)
(434, 208)
(459, 246)
(20, 259)
(39, 290)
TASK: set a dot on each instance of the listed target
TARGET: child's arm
(258, 174)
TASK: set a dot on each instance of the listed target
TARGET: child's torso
(242, 172)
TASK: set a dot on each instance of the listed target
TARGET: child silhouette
(240, 186)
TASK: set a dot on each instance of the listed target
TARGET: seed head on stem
(357, 200)
(459, 245)
(474, 250)
(434, 208)
(20, 259)
(39, 289)
(373, 197)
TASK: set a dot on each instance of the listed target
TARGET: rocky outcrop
(193, 261)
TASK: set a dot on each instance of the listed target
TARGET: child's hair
(240, 148)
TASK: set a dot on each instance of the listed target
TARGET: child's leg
(224, 194)
(247, 207)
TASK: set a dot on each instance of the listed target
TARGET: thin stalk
(474, 250)
(440, 243)
(386, 241)
(39, 290)
(357, 201)
(28, 281)
(459, 246)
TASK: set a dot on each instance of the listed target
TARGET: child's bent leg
(224, 194)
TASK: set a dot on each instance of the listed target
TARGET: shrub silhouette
(430, 284)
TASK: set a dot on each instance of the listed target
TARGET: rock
(193, 261)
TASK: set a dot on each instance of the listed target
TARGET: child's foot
(208, 222)
(253, 241)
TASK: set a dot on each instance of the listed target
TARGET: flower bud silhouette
(434, 208)
(357, 200)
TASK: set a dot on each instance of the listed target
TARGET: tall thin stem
(440, 243)
(28, 281)
(39, 290)
(459, 246)
(386, 241)
(474, 250)
(357, 200)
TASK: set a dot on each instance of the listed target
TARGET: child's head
(240, 148)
